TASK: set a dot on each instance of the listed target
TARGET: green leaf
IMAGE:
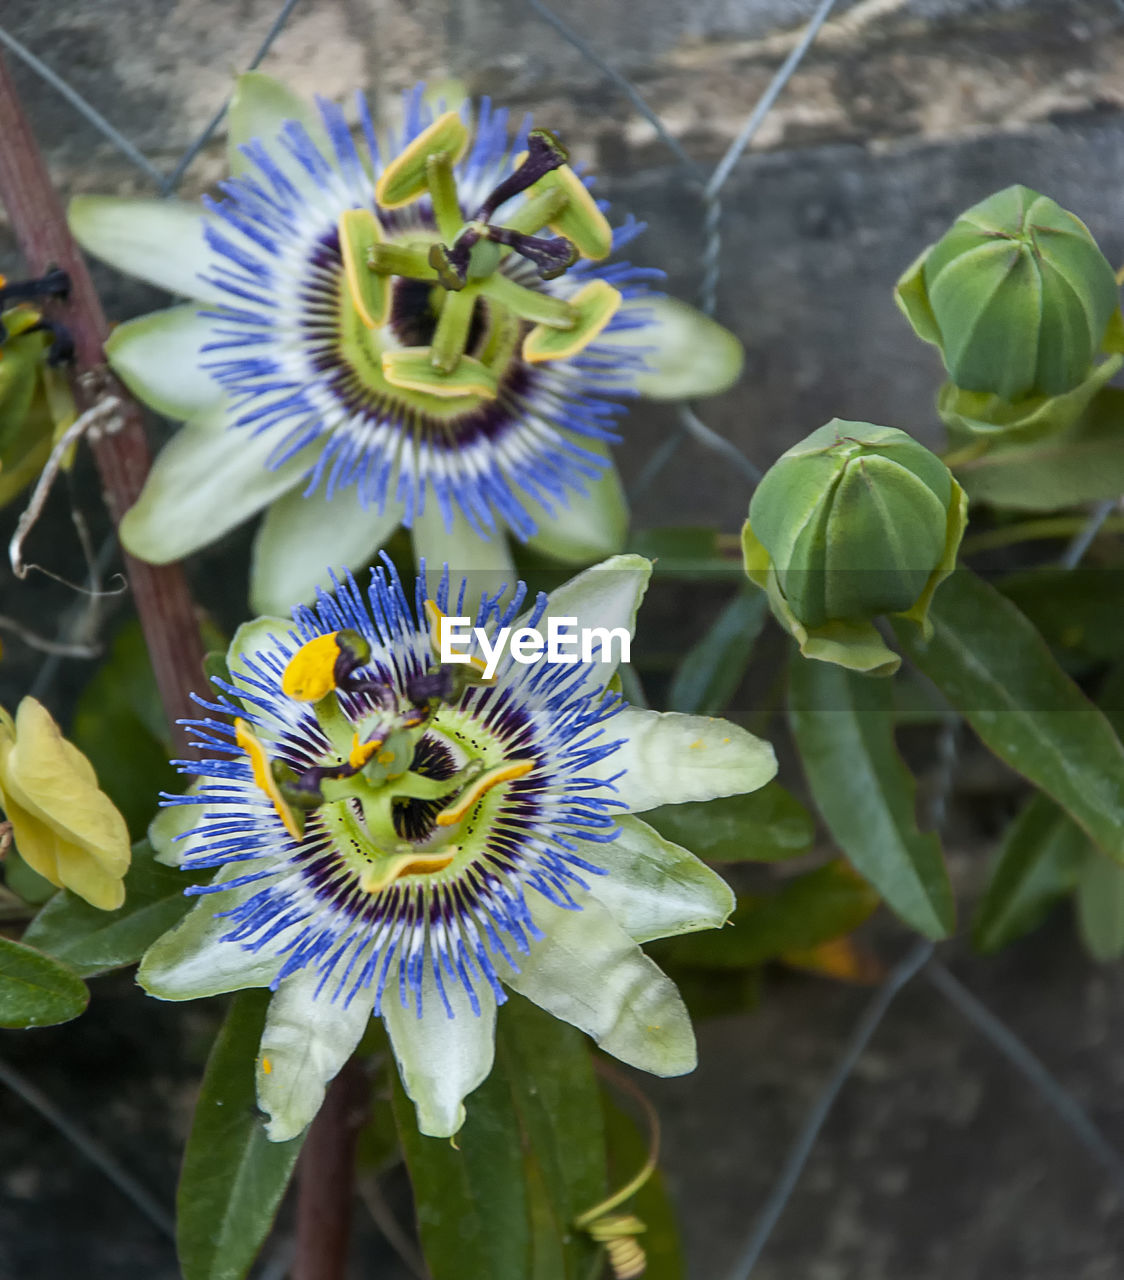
(809, 910)
(844, 727)
(687, 550)
(1078, 611)
(554, 1090)
(1037, 864)
(92, 941)
(628, 1150)
(766, 825)
(37, 990)
(1100, 908)
(119, 724)
(1083, 465)
(470, 1200)
(712, 669)
(998, 672)
(233, 1177)
(529, 1159)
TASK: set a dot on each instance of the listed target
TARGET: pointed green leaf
(809, 910)
(37, 990)
(998, 672)
(1038, 864)
(92, 941)
(233, 1177)
(844, 726)
(762, 826)
(1100, 908)
(709, 675)
(478, 1185)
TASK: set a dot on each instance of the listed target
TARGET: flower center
(439, 312)
(400, 789)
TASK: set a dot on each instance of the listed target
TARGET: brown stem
(326, 1178)
(164, 604)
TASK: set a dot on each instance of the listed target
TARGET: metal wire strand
(173, 180)
(809, 1132)
(623, 83)
(1068, 1109)
(85, 1143)
(84, 109)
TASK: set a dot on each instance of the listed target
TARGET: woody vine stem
(38, 221)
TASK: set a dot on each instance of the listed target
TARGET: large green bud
(1017, 296)
(854, 522)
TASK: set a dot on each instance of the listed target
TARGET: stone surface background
(938, 1161)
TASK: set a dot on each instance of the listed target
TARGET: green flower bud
(853, 522)
(1017, 296)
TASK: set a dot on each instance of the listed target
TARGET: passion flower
(398, 839)
(420, 329)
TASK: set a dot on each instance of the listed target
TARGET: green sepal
(976, 416)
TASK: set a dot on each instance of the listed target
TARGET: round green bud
(1017, 296)
(855, 520)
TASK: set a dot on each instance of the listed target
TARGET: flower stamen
(476, 790)
(264, 779)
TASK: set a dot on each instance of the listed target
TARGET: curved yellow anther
(263, 778)
(477, 789)
(361, 752)
(435, 618)
(406, 864)
(311, 673)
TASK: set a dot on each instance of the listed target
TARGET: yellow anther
(480, 787)
(267, 1066)
(406, 864)
(359, 233)
(697, 745)
(594, 305)
(311, 673)
(263, 778)
(361, 752)
(404, 178)
(436, 617)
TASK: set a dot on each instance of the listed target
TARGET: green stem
(451, 334)
(442, 185)
(1034, 531)
(536, 212)
(530, 304)
(400, 260)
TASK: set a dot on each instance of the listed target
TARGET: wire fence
(922, 959)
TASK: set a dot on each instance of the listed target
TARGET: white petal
(485, 564)
(654, 888)
(589, 972)
(169, 831)
(307, 1039)
(159, 358)
(302, 538)
(670, 758)
(160, 241)
(594, 525)
(441, 1059)
(258, 109)
(688, 353)
(203, 482)
(606, 596)
(190, 961)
